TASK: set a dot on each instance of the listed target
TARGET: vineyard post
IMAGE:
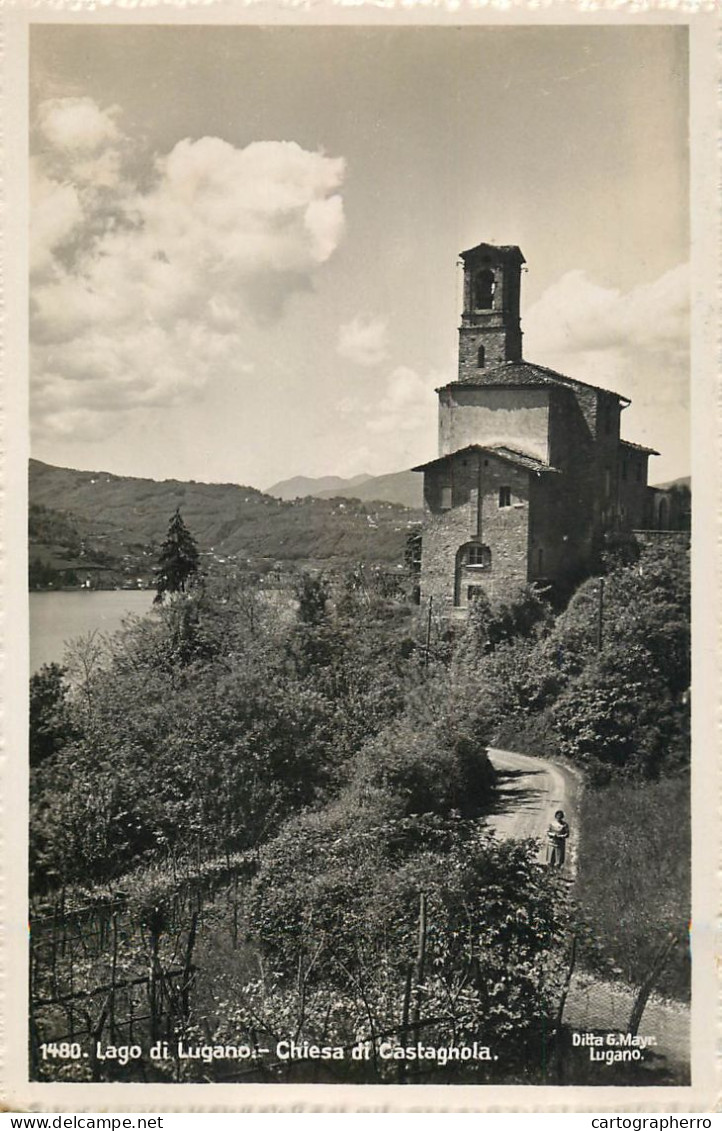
(188, 969)
(562, 1006)
(420, 958)
(113, 970)
(153, 983)
(405, 1016)
(54, 944)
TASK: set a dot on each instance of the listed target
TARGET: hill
(403, 487)
(301, 486)
(123, 518)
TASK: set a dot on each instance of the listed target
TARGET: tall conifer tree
(178, 559)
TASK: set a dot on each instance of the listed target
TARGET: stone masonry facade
(532, 473)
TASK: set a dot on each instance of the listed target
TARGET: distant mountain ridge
(402, 487)
(301, 486)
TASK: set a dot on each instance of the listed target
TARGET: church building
(532, 472)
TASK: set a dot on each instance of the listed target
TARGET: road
(529, 791)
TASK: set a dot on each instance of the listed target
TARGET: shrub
(334, 916)
(634, 878)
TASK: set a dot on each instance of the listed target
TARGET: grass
(633, 883)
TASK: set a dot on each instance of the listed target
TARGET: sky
(244, 240)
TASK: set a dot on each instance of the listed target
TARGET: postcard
(361, 474)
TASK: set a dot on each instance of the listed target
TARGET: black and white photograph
(359, 557)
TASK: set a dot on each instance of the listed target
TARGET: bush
(618, 716)
(334, 918)
(424, 771)
(633, 883)
(528, 734)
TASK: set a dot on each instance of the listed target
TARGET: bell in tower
(490, 331)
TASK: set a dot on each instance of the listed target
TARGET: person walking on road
(557, 836)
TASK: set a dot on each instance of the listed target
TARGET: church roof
(516, 373)
(501, 451)
(638, 447)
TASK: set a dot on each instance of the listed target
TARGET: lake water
(58, 617)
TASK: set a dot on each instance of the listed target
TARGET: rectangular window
(446, 498)
(505, 496)
(478, 556)
(624, 469)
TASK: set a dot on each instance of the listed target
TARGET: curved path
(529, 790)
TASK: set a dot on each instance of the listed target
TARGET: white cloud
(77, 124)
(402, 420)
(636, 342)
(363, 341)
(57, 212)
(408, 403)
(155, 286)
(397, 414)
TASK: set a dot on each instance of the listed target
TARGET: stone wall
(500, 343)
(474, 482)
(635, 502)
(569, 506)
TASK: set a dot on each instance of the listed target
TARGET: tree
(178, 559)
(50, 724)
(312, 594)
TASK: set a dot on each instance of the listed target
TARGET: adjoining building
(532, 473)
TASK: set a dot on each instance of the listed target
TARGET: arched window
(480, 357)
(484, 286)
(471, 557)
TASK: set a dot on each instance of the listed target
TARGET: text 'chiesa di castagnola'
(532, 474)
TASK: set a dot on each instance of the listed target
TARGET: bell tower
(490, 331)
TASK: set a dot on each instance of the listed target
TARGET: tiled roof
(509, 455)
(638, 447)
(527, 373)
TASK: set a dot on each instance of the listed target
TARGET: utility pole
(428, 634)
(600, 617)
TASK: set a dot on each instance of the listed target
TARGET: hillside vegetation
(330, 770)
(117, 520)
(324, 741)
